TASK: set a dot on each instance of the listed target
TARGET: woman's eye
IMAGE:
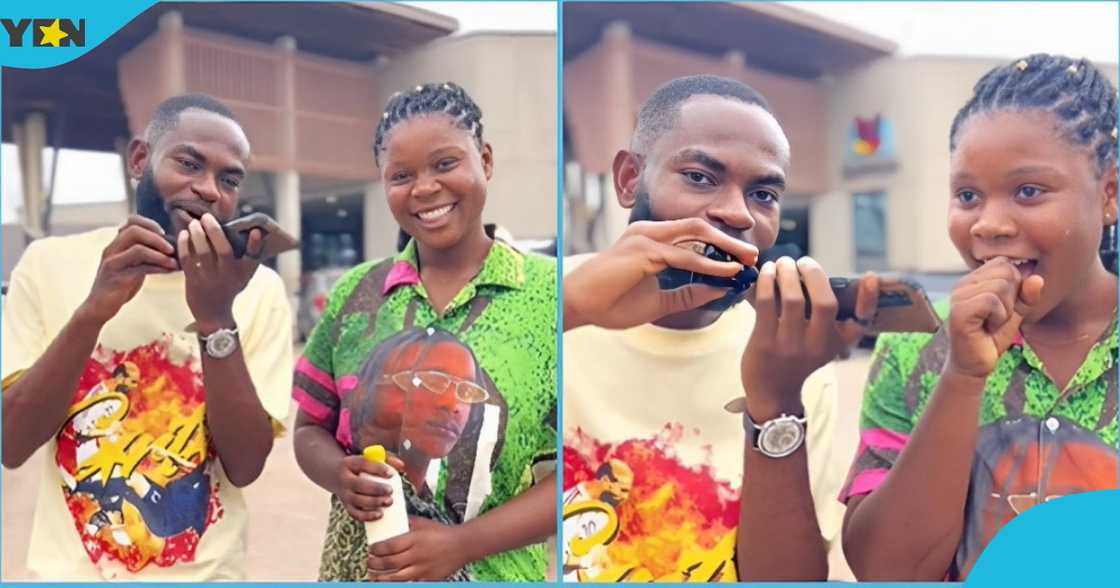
(967, 196)
(1029, 192)
(695, 177)
(398, 177)
(190, 165)
(446, 164)
(233, 183)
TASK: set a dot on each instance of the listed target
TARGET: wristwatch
(776, 437)
(220, 344)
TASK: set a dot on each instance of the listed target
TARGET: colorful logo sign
(870, 147)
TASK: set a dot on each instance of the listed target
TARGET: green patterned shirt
(467, 399)
(1023, 415)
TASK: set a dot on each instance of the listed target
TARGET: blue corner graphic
(47, 33)
(1071, 541)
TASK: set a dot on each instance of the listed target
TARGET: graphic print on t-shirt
(423, 393)
(133, 456)
(633, 511)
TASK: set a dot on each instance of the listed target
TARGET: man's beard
(150, 204)
(670, 279)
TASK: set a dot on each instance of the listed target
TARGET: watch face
(781, 437)
(221, 344)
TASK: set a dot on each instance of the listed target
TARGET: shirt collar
(504, 267)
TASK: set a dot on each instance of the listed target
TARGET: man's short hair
(166, 116)
(660, 111)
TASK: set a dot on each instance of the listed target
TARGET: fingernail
(767, 267)
(786, 259)
(807, 262)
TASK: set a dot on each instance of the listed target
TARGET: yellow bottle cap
(374, 453)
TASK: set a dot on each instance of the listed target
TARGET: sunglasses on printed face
(438, 383)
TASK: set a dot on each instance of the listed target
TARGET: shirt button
(1052, 424)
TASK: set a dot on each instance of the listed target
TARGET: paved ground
(288, 513)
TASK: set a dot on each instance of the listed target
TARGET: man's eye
(698, 178)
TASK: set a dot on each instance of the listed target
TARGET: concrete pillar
(31, 139)
(379, 228)
(174, 73)
(622, 107)
(288, 211)
(733, 64)
(288, 205)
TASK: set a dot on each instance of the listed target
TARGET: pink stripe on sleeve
(347, 385)
(883, 439)
(305, 367)
(864, 482)
(309, 405)
(343, 435)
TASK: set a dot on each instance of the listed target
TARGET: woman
(1013, 403)
(391, 362)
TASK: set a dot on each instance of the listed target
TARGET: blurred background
(865, 92)
(308, 82)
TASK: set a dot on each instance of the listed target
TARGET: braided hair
(1075, 92)
(434, 98)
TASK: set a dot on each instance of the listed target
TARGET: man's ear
(139, 154)
(627, 172)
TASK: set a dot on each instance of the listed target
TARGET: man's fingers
(822, 302)
(695, 229)
(255, 244)
(132, 234)
(688, 297)
(216, 237)
(867, 297)
(765, 303)
(199, 241)
(140, 254)
(685, 259)
(143, 222)
(791, 300)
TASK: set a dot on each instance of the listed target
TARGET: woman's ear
(487, 160)
(1108, 190)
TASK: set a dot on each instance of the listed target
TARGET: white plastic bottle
(394, 518)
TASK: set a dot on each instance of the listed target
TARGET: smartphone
(903, 304)
(903, 307)
(276, 239)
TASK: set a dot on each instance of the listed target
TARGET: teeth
(434, 214)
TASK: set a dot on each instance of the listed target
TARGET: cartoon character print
(423, 393)
(133, 457)
(1014, 472)
(634, 512)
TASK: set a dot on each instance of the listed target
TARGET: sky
(990, 29)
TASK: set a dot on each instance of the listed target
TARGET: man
(707, 164)
(152, 373)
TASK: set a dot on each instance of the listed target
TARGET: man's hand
(785, 347)
(138, 250)
(214, 276)
(618, 289)
(985, 311)
(362, 495)
(430, 551)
